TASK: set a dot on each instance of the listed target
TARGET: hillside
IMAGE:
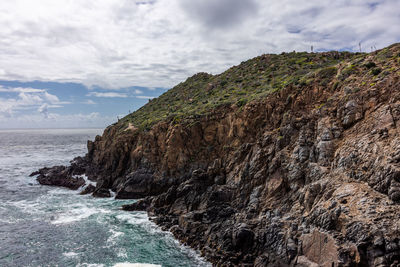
(284, 160)
(253, 79)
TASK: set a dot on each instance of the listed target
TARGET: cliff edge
(284, 160)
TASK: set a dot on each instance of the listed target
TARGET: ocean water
(49, 226)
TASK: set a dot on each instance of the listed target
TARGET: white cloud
(144, 97)
(118, 44)
(28, 99)
(44, 110)
(89, 102)
(107, 94)
(137, 91)
(51, 98)
(20, 90)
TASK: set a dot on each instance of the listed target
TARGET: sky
(81, 63)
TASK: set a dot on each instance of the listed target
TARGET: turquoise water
(48, 226)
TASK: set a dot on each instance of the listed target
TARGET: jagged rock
(351, 113)
(58, 176)
(394, 190)
(243, 238)
(88, 190)
(140, 205)
(319, 249)
(101, 193)
(138, 184)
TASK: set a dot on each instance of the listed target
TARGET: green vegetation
(347, 71)
(370, 64)
(376, 71)
(250, 80)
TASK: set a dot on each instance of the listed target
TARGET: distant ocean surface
(49, 226)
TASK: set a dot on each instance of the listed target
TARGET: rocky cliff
(284, 160)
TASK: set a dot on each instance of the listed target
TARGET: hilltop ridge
(252, 79)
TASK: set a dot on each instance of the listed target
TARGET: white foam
(77, 213)
(114, 236)
(87, 181)
(127, 264)
(26, 206)
(134, 218)
(10, 220)
(89, 265)
(141, 219)
(70, 254)
(122, 253)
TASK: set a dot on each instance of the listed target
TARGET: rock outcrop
(59, 176)
(306, 176)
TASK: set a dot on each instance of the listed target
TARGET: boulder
(59, 176)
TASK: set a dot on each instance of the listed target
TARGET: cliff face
(307, 175)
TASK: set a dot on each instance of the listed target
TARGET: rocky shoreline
(306, 177)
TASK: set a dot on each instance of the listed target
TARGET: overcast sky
(82, 63)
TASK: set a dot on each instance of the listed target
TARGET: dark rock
(243, 238)
(88, 190)
(101, 193)
(59, 176)
(139, 184)
(140, 205)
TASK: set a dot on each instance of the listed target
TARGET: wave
(127, 264)
(78, 213)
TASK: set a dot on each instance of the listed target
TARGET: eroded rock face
(307, 177)
(319, 248)
(139, 184)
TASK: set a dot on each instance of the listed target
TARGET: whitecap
(89, 265)
(77, 213)
(26, 206)
(135, 218)
(121, 253)
(71, 254)
(127, 264)
(141, 219)
(114, 236)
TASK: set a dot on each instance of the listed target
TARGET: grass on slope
(250, 80)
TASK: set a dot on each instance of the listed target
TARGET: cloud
(144, 97)
(51, 98)
(89, 102)
(44, 110)
(118, 44)
(137, 91)
(219, 14)
(108, 94)
(20, 90)
(28, 99)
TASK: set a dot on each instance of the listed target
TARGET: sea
(50, 226)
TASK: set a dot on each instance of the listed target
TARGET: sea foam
(127, 264)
